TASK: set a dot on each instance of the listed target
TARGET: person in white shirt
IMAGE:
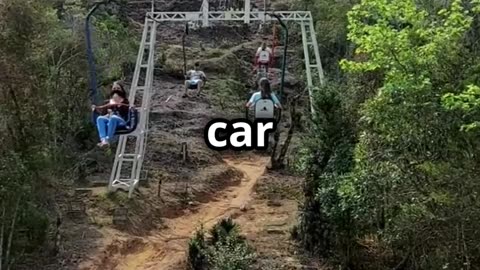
(264, 93)
(263, 56)
(195, 78)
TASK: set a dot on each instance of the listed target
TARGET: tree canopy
(411, 187)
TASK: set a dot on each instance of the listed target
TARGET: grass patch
(279, 192)
(108, 201)
(212, 61)
(227, 95)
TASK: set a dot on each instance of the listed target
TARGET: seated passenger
(264, 93)
(117, 87)
(195, 78)
(263, 56)
(116, 116)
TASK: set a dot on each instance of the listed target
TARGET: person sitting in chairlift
(195, 78)
(263, 56)
(116, 116)
(264, 93)
(117, 87)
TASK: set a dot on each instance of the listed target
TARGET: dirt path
(167, 249)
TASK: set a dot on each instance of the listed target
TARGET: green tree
(413, 184)
(331, 28)
(44, 115)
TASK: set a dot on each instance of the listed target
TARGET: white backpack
(264, 57)
(264, 109)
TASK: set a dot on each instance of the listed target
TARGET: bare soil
(266, 224)
(166, 248)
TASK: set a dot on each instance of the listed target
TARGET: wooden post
(120, 216)
(159, 190)
(184, 152)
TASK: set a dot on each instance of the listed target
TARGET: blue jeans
(108, 125)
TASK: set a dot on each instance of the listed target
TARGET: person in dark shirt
(118, 86)
(116, 115)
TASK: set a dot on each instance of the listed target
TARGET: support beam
(219, 16)
(264, 11)
(247, 11)
(128, 162)
(205, 12)
(318, 62)
(306, 55)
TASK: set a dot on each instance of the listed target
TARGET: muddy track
(166, 249)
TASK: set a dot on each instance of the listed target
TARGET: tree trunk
(58, 239)
(278, 162)
(285, 146)
(10, 236)
(1, 235)
(294, 119)
(273, 160)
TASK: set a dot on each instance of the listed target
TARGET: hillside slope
(179, 194)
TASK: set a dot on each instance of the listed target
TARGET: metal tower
(127, 167)
(313, 64)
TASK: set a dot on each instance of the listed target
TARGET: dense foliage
(394, 181)
(44, 110)
(225, 249)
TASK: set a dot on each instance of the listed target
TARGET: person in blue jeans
(264, 93)
(116, 115)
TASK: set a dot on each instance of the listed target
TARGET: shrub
(226, 249)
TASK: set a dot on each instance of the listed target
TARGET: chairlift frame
(131, 159)
(132, 121)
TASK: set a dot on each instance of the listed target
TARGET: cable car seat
(131, 122)
(263, 109)
(194, 86)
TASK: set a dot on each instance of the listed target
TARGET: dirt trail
(166, 250)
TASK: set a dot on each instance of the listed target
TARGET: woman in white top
(263, 56)
(264, 93)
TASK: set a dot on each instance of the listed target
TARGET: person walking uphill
(115, 116)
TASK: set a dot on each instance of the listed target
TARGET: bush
(44, 112)
(394, 180)
(230, 254)
(196, 251)
(226, 249)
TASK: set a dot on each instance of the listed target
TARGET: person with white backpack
(263, 57)
(265, 92)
